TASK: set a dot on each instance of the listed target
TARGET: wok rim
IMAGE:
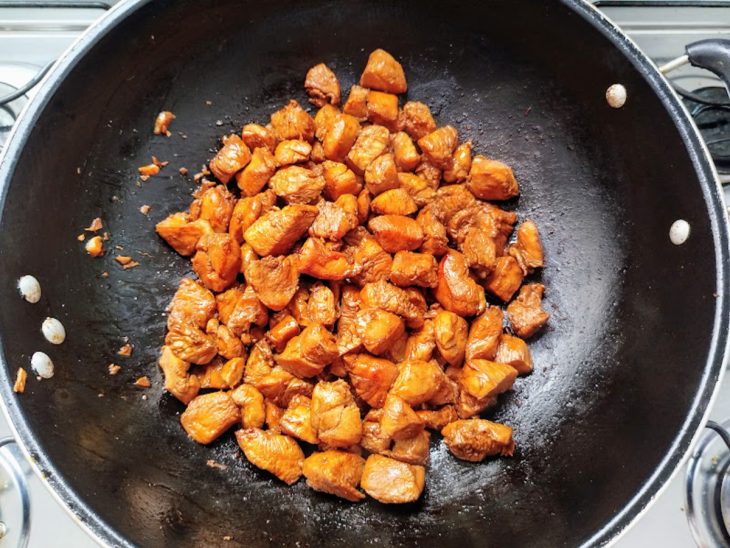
(714, 368)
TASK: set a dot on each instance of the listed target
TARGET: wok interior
(617, 369)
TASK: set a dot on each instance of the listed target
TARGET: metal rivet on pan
(53, 331)
(616, 96)
(679, 232)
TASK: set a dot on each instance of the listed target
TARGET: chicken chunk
(322, 85)
(275, 280)
(356, 104)
(506, 278)
(363, 206)
(483, 378)
(321, 306)
(525, 312)
(437, 419)
(341, 135)
(335, 416)
(392, 482)
(383, 73)
(409, 304)
(450, 333)
(371, 377)
(383, 109)
(280, 387)
(370, 260)
(480, 250)
(339, 180)
(399, 420)
(456, 290)
(162, 123)
(192, 304)
(292, 151)
(320, 260)
(229, 346)
(417, 120)
(378, 330)
(230, 159)
(284, 330)
(476, 439)
(297, 185)
(247, 210)
(381, 174)
(275, 232)
(410, 268)
(435, 241)
(484, 335)
(209, 415)
(419, 189)
(528, 248)
(439, 145)
(251, 402)
(323, 120)
(396, 232)
(190, 343)
(347, 338)
(296, 420)
(404, 151)
(273, 416)
(450, 200)
(272, 452)
(460, 164)
(239, 308)
(418, 381)
(411, 450)
(178, 381)
(371, 142)
(421, 343)
(217, 261)
(333, 221)
(214, 204)
(396, 201)
(181, 233)
(491, 180)
(292, 122)
(257, 136)
(335, 472)
(514, 351)
(307, 354)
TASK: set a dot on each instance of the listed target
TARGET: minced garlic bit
(162, 123)
(145, 209)
(42, 365)
(159, 163)
(125, 350)
(53, 331)
(19, 386)
(95, 246)
(95, 225)
(114, 368)
(30, 288)
(148, 170)
(143, 382)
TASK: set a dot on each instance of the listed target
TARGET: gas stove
(693, 509)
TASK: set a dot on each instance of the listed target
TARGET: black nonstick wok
(624, 372)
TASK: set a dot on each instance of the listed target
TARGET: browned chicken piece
(320, 260)
(214, 204)
(411, 450)
(229, 346)
(230, 159)
(247, 210)
(409, 304)
(259, 364)
(418, 381)
(399, 420)
(191, 343)
(219, 374)
(192, 303)
(257, 173)
(292, 151)
(340, 137)
(335, 472)
(404, 151)
(297, 185)
(468, 406)
(209, 415)
(416, 119)
(528, 248)
(460, 164)
(363, 206)
(307, 354)
(248, 257)
(504, 222)
(381, 174)
(450, 331)
(275, 232)
(484, 378)
(395, 201)
(428, 172)
(371, 142)
(292, 122)
(480, 251)
(275, 280)
(397, 352)
(217, 261)
(476, 439)
(418, 188)
(335, 416)
(323, 120)
(162, 123)
(439, 145)
(505, 279)
(421, 343)
(284, 330)
(333, 221)
(410, 268)
(178, 381)
(437, 419)
(339, 180)
(317, 156)
(272, 452)
(484, 335)
(273, 416)
(279, 386)
(356, 104)
(239, 308)
(299, 305)
(322, 85)
(514, 351)
(525, 313)
(456, 290)
(347, 338)
(396, 232)
(450, 200)
(371, 261)
(435, 240)
(373, 440)
(491, 180)
(383, 109)
(378, 330)
(322, 305)
(371, 377)
(296, 420)
(251, 402)
(392, 482)
(383, 73)
(257, 136)
(181, 233)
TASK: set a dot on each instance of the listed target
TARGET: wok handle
(11, 466)
(713, 55)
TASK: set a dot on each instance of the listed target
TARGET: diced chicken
(404, 151)
(456, 289)
(229, 346)
(323, 120)
(257, 136)
(371, 142)
(371, 377)
(435, 240)
(378, 330)
(181, 233)
(421, 343)
(320, 260)
(399, 420)
(272, 452)
(514, 351)
(396, 232)
(383, 109)
(209, 415)
(297, 185)
(484, 335)
(247, 210)
(335, 416)
(411, 450)
(335, 472)
(483, 378)
(460, 164)
(450, 200)
(322, 85)
(525, 312)
(284, 330)
(396, 201)
(251, 402)
(230, 159)
(410, 268)
(479, 250)
(280, 387)
(322, 305)
(506, 278)
(373, 439)
(217, 261)
(259, 364)
(162, 123)
(317, 156)
(439, 145)
(239, 308)
(528, 248)
(296, 420)
(419, 189)
(273, 416)
(356, 104)
(504, 222)
(274, 279)
(409, 304)
(275, 232)
(450, 332)
(467, 406)
(381, 174)
(178, 381)
(476, 439)
(347, 337)
(292, 151)
(437, 419)
(363, 206)
(491, 180)
(371, 261)
(307, 354)
(292, 122)
(392, 482)
(340, 137)
(257, 173)
(417, 120)
(383, 73)
(339, 180)
(333, 221)
(418, 381)
(214, 204)
(192, 303)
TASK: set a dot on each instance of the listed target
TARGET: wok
(624, 372)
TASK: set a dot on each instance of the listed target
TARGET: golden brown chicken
(410, 268)
(335, 416)
(514, 351)
(356, 104)
(371, 142)
(257, 136)
(322, 305)
(450, 332)
(257, 173)
(272, 452)
(399, 420)
(421, 190)
(297, 185)
(396, 232)
(335, 472)
(404, 151)
(181, 233)
(322, 85)
(484, 335)
(338, 180)
(371, 377)
(217, 260)
(247, 210)
(371, 262)
(342, 132)
(333, 221)
(412, 450)
(297, 420)
(292, 122)
(283, 331)
(239, 309)
(230, 159)
(378, 330)
(392, 482)
(417, 120)
(421, 343)
(437, 419)
(381, 174)
(279, 386)
(409, 303)
(307, 354)
(491, 180)
(178, 381)
(292, 151)
(383, 73)
(347, 338)
(321, 260)
(214, 204)
(483, 378)
(476, 439)
(251, 402)
(439, 145)
(528, 248)
(456, 290)
(383, 109)
(506, 278)
(460, 164)
(395, 201)
(274, 279)
(209, 415)
(525, 312)
(435, 240)
(275, 232)
(418, 381)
